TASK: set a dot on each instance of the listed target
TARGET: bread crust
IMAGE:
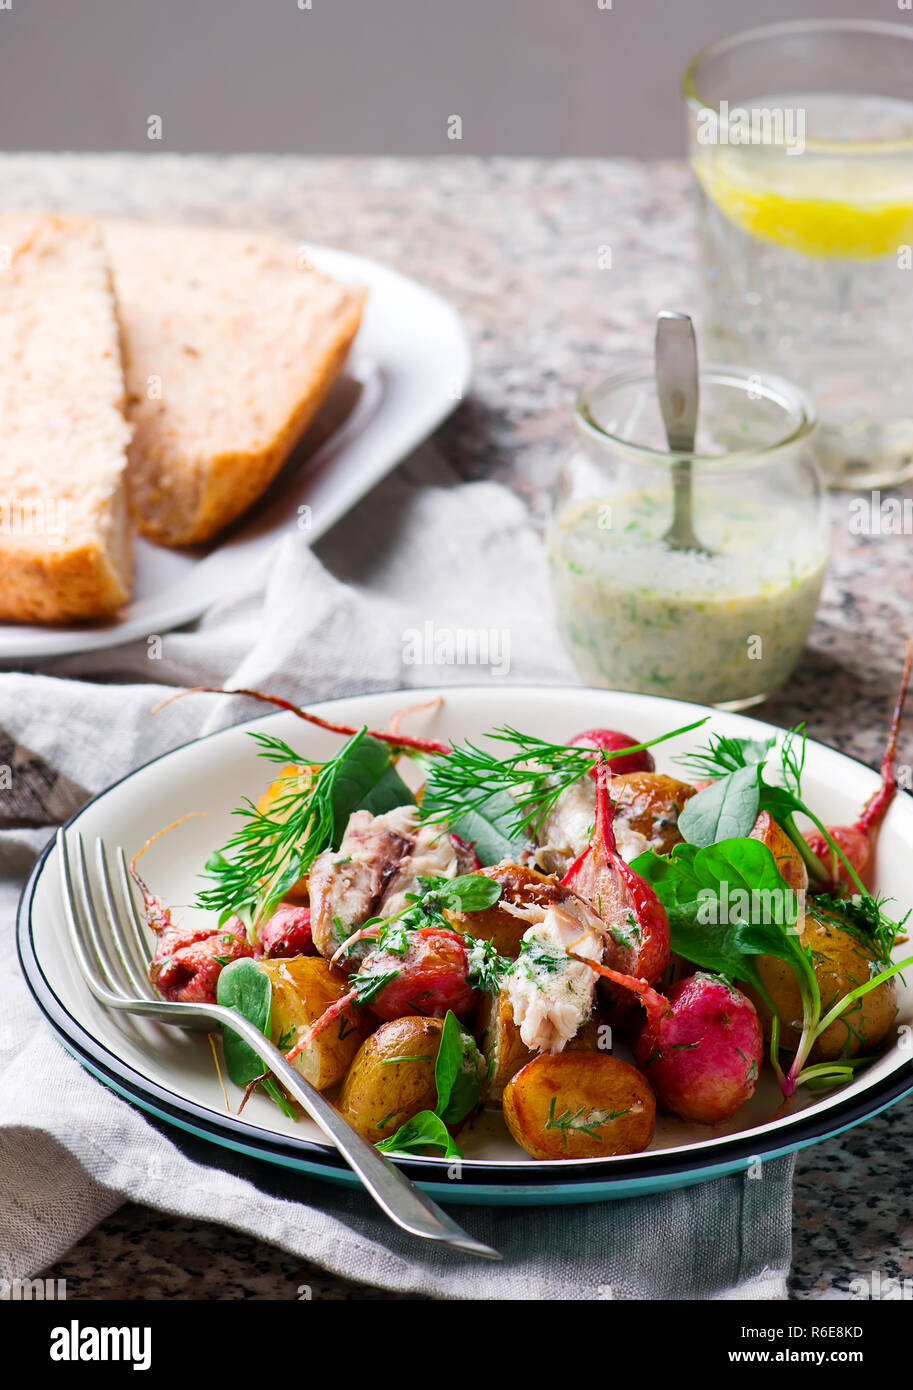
(188, 482)
(58, 587)
(64, 527)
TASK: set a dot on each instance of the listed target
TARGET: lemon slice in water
(805, 208)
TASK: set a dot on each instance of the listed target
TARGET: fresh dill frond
(272, 849)
(793, 763)
(581, 1120)
(864, 917)
(533, 774)
(487, 967)
(723, 754)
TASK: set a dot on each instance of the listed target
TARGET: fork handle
(403, 1202)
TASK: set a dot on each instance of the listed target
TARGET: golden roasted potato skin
(789, 860)
(304, 987)
(500, 1043)
(520, 885)
(650, 804)
(841, 963)
(564, 1083)
(380, 1094)
(291, 776)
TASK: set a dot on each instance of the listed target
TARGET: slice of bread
(230, 348)
(64, 536)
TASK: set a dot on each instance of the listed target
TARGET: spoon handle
(678, 392)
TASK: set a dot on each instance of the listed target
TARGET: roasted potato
(789, 860)
(392, 1077)
(579, 1105)
(519, 885)
(294, 777)
(500, 1043)
(649, 803)
(842, 961)
(304, 987)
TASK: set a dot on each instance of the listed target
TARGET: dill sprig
(722, 754)
(534, 774)
(271, 850)
(863, 917)
(580, 1120)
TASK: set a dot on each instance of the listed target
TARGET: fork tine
(71, 911)
(90, 917)
(145, 948)
(136, 978)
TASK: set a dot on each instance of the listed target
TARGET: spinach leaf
(388, 792)
(726, 903)
(244, 987)
(366, 779)
(458, 1072)
(490, 827)
(468, 893)
(424, 1130)
(726, 809)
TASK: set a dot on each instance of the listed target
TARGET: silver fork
(118, 980)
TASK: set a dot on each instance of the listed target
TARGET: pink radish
(610, 740)
(287, 933)
(700, 1047)
(638, 928)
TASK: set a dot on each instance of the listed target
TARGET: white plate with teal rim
(171, 1074)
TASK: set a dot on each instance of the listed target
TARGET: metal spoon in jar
(678, 392)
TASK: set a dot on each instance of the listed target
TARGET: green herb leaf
(489, 826)
(244, 987)
(486, 967)
(366, 780)
(494, 802)
(426, 1130)
(458, 1072)
(727, 809)
(726, 903)
(272, 849)
(723, 754)
(469, 893)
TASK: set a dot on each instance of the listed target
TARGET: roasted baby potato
(392, 1077)
(304, 987)
(842, 961)
(579, 1105)
(789, 860)
(519, 885)
(294, 778)
(500, 1043)
(649, 803)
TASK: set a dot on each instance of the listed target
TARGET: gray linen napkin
(310, 625)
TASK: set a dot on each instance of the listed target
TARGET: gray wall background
(549, 77)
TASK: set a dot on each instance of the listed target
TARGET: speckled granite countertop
(515, 245)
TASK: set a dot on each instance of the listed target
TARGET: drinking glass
(801, 142)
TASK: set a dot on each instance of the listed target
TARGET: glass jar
(723, 625)
(801, 142)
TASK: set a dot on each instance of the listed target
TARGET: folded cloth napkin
(423, 548)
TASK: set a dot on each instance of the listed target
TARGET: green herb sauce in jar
(724, 626)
